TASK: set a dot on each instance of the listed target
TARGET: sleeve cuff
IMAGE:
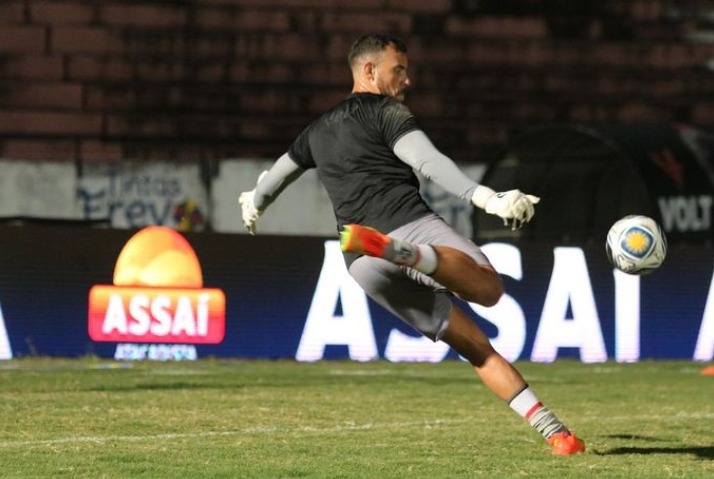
(481, 196)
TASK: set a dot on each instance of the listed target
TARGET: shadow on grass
(702, 452)
(163, 387)
(636, 437)
(329, 381)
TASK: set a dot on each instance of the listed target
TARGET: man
(365, 150)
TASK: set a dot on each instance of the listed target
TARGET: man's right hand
(250, 212)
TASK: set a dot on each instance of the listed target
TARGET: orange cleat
(363, 240)
(566, 444)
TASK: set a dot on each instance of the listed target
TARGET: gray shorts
(412, 296)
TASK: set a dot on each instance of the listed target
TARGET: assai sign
(571, 316)
(157, 297)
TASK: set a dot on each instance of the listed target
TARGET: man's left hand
(515, 207)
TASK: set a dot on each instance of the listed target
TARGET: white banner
(37, 189)
(138, 194)
(303, 208)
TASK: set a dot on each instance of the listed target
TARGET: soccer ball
(636, 245)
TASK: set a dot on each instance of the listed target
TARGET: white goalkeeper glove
(250, 212)
(514, 207)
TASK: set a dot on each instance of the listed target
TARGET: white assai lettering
(570, 288)
(153, 315)
(5, 349)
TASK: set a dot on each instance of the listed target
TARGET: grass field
(92, 418)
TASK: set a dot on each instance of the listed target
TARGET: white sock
(524, 402)
(427, 260)
(527, 405)
(421, 257)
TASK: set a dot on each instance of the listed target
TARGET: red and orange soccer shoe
(566, 444)
(363, 240)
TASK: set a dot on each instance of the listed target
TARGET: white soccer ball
(636, 245)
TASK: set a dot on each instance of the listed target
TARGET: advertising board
(291, 297)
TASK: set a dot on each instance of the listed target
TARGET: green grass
(92, 418)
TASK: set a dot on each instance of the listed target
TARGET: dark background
(207, 79)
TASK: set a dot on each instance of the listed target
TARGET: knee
(492, 295)
(492, 291)
(485, 288)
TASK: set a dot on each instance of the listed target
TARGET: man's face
(390, 73)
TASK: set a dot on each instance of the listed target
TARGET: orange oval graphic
(158, 256)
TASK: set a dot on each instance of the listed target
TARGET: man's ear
(368, 70)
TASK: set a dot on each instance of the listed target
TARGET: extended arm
(416, 150)
(279, 177)
(270, 184)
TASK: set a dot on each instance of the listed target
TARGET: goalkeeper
(402, 254)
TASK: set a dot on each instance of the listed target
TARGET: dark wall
(204, 79)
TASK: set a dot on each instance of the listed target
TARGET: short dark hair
(373, 43)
